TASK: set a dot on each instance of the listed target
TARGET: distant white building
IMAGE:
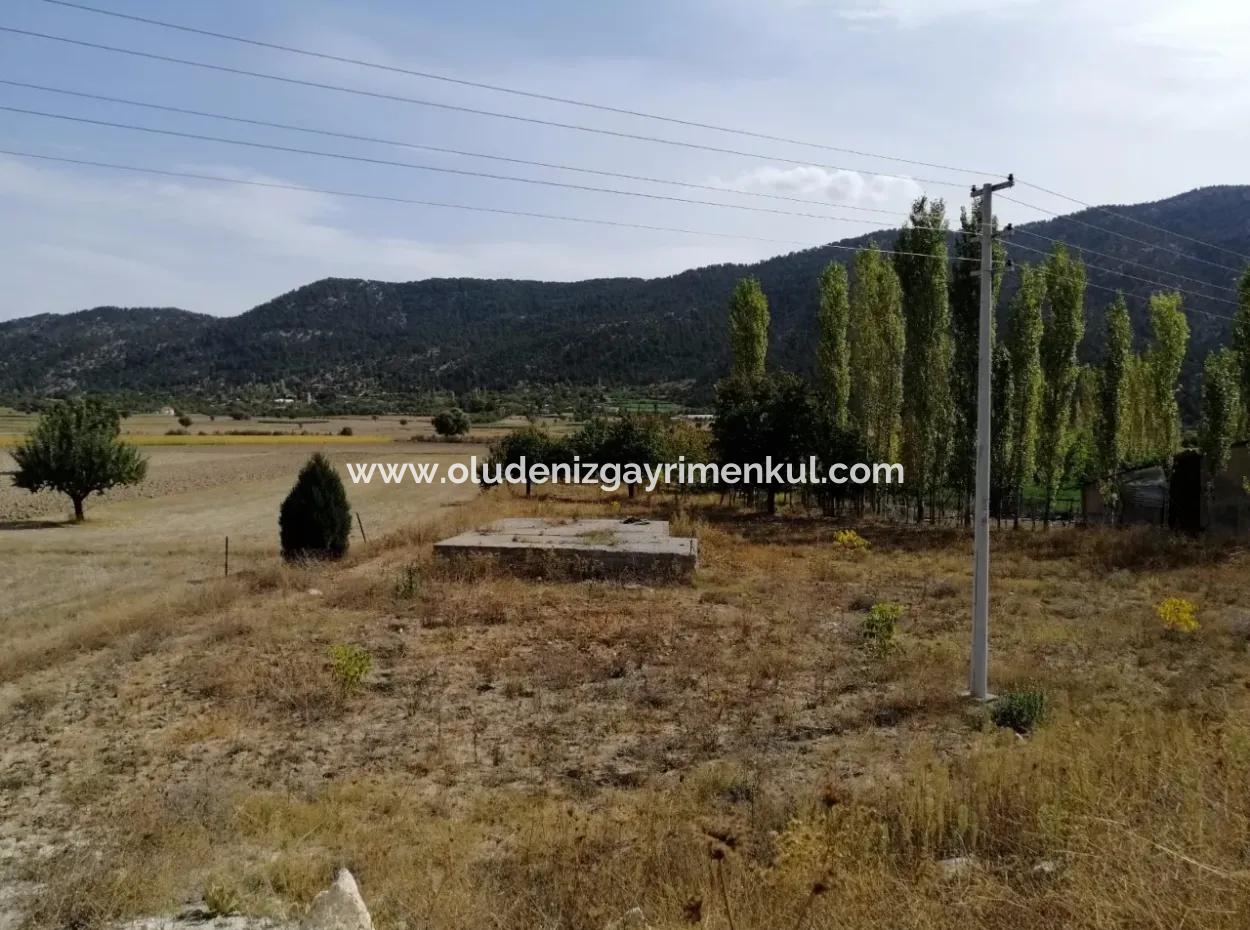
(168, 412)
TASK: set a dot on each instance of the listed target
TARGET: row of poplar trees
(896, 365)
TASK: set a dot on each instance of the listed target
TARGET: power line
(415, 101)
(1116, 258)
(1123, 216)
(463, 172)
(443, 150)
(273, 185)
(1124, 274)
(1067, 218)
(499, 88)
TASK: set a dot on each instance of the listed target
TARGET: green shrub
(349, 664)
(453, 422)
(316, 519)
(346, 431)
(1021, 710)
(184, 420)
(877, 628)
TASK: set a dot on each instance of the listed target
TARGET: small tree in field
(316, 519)
(453, 422)
(74, 449)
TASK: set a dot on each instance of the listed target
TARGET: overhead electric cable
(500, 88)
(273, 185)
(1067, 218)
(463, 172)
(399, 98)
(440, 149)
(1130, 219)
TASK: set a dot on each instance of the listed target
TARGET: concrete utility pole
(978, 677)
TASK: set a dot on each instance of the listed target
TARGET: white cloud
(845, 188)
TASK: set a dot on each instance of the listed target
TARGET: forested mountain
(343, 337)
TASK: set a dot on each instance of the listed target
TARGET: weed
(1177, 615)
(1020, 710)
(877, 628)
(849, 539)
(349, 664)
(409, 584)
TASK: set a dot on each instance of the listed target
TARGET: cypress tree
(315, 520)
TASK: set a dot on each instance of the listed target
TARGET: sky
(1116, 102)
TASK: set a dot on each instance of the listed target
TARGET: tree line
(896, 347)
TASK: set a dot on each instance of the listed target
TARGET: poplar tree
(1241, 346)
(1163, 362)
(1023, 347)
(965, 308)
(878, 342)
(1061, 335)
(1003, 411)
(748, 328)
(832, 346)
(1114, 387)
(1221, 407)
(921, 262)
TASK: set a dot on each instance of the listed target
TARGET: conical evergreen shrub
(315, 520)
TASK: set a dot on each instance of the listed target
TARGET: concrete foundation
(628, 548)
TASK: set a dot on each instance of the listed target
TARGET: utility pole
(978, 677)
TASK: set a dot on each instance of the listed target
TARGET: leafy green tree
(1024, 345)
(920, 260)
(1003, 413)
(748, 328)
(832, 342)
(1061, 336)
(1162, 368)
(75, 449)
(315, 520)
(530, 445)
(758, 418)
(1221, 408)
(1241, 346)
(878, 345)
(965, 309)
(1112, 442)
(451, 422)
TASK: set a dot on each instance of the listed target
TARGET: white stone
(339, 907)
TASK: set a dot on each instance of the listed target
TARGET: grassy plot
(735, 753)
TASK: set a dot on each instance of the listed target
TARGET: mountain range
(342, 337)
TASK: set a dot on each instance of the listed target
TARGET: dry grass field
(159, 544)
(544, 753)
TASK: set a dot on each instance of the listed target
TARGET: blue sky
(1117, 102)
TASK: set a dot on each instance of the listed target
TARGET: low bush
(1021, 710)
(877, 628)
(350, 665)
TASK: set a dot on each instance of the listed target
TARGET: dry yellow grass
(533, 753)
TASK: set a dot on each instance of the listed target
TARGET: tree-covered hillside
(342, 337)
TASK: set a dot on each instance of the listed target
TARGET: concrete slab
(630, 547)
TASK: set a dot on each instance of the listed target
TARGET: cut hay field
(162, 541)
(730, 754)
